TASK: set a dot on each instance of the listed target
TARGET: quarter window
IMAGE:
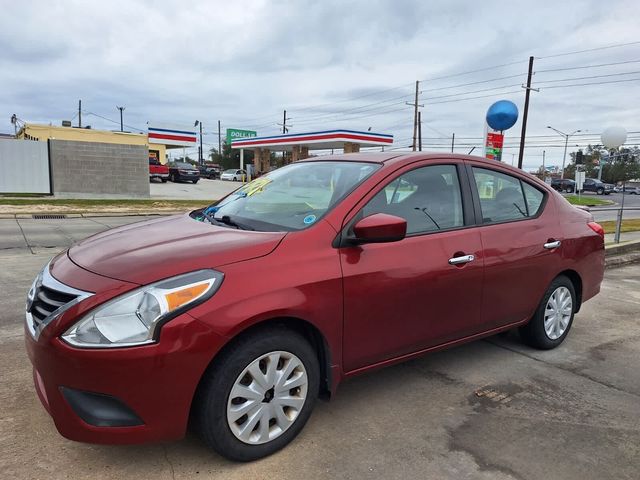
(428, 198)
(504, 198)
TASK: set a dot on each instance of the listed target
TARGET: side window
(504, 198)
(428, 198)
(534, 199)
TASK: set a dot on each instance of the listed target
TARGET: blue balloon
(502, 115)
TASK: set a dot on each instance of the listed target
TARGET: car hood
(148, 251)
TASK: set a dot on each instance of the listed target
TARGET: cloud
(243, 62)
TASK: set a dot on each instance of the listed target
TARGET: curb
(621, 254)
(28, 216)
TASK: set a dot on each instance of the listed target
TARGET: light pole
(200, 159)
(566, 142)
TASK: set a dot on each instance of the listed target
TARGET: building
(157, 140)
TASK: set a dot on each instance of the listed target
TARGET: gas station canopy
(329, 139)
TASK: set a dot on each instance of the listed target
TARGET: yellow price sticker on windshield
(255, 186)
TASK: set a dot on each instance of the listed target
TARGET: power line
(587, 66)
(588, 77)
(592, 83)
(588, 50)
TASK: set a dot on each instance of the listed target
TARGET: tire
(600, 191)
(534, 333)
(213, 417)
(164, 180)
(194, 181)
(172, 177)
(568, 190)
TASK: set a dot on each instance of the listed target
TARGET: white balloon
(613, 137)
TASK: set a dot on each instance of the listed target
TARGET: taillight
(596, 227)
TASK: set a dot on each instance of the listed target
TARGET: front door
(424, 290)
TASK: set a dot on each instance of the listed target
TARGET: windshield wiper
(226, 219)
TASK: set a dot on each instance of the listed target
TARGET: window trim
(466, 197)
(476, 196)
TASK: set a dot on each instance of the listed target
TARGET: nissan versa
(235, 318)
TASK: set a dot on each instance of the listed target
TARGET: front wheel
(600, 191)
(257, 396)
(553, 318)
(194, 181)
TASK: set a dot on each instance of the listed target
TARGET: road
(492, 409)
(205, 189)
(630, 201)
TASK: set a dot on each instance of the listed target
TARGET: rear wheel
(600, 191)
(257, 396)
(195, 181)
(164, 180)
(554, 316)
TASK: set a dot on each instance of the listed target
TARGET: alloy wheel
(267, 397)
(557, 314)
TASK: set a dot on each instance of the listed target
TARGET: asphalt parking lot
(492, 409)
(205, 189)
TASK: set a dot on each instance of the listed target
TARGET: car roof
(389, 158)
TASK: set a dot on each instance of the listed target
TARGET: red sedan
(239, 316)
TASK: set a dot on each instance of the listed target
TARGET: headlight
(133, 318)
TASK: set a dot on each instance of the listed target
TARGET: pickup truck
(157, 170)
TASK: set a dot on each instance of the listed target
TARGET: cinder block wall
(90, 169)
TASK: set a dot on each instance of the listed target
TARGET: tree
(622, 166)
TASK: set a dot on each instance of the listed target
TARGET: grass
(103, 202)
(587, 201)
(59, 205)
(631, 225)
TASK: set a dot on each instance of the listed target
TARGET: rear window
(505, 198)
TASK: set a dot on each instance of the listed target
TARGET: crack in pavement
(26, 242)
(166, 457)
(573, 371)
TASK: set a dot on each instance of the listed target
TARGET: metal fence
(619, 217)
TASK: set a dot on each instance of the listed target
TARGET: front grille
(47, 301)
(50, 299)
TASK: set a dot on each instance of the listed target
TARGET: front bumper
(153, 383)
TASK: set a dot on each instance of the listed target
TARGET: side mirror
(379, 228)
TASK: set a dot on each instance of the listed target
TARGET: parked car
(158, 170)
(236, 317)
(596, 186)
(209, 172)
(183, 172)
(233, 174)
(631, 190)
(563, 185)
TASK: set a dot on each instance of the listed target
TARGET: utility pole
(79, 113)
(415, 115)
(526, 112)
(453, 141)
(285, 129)
(121, 124)
(420, 131)
(200, 152)
(219, 141)
(544, 170)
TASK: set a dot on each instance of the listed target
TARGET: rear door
(405, 296)
(521, 240)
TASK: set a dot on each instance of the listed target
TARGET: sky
(330, 64)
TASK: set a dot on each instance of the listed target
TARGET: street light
(200, 159)
(566, 142)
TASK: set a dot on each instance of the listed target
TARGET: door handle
(552, 244)
(461, 260)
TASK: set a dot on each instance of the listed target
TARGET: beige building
(32, 131)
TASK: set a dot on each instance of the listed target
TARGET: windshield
(290, 198)
(232, 170)
(184, 165)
